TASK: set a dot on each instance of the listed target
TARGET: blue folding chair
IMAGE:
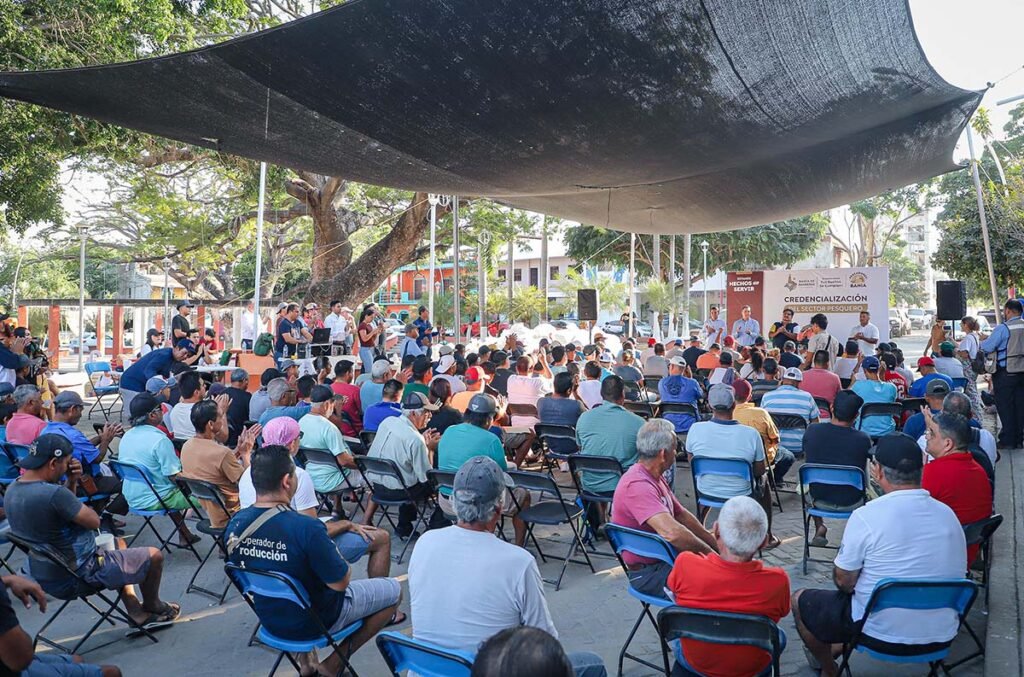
(129, 472)
(959, 384)
(324, 458)
(9, 465)
(723, 467)
(100, 392)
(652, 546)
(921, 595)
(721, 627)
(254, 583)
(425, 659)
(831, 475)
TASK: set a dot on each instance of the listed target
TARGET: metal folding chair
(787, 422)
(254, 583)
(652, 546)
(980, 533)
(325, 458)
(642, 409)
(366, 437)
(129, 472)
(912, 405)
(892, 410)
(603, 467)
(550, 512)
(824, 409)
(686, 408)
(387, 468)
(443, 479)
(722, 627)
(403, 653)
(918, 595)
(522, 410)
(830, 475)
(725, 467)
(8, 466)
(959, 384)
(99, 392)
(207, 491)
(84, 592)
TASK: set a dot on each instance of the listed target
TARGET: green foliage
(611, 295)
(905, 277)
(528, 304)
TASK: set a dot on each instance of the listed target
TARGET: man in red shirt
(820, 382)
(733, 581)
(954, 477)
(352, 421)
(894, 377)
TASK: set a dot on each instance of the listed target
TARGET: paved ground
(592, 612)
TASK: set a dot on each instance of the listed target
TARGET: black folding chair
(5, 561)
(84, 592)
(721, 627)
(129, 472)
(980, 533)
(788, 422)
(824, 408)
(644, 410)
(443, 479)
(680, 408)
(603, 466)
(179, 444)
(207, 491)
(386, 468)
(651, 383)
(550, 512)
(366, 437)
(912, 405)
(326, 459)
(522, 410)
(892, 410)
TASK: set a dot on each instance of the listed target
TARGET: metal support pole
(687, 276)
(433, 199)
(544, 265)
(632, 270)
(672, 286)
(167, 301)
(511, 272)
(656, 269)
(455, 273)
(81, 297)
(704, 248)
(984, 225)
(257, 293)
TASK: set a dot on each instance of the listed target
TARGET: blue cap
(870, 364)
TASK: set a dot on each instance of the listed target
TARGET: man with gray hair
(730, 580)
(370, 391)
(467, 585)
(238, 409)
(643, 500)
(26, 424)
(283, 397)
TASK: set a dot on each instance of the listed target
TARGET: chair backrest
(441, 478)
(555, 431)
(789, 421)
(651, 382)
(129, 472)
(96, 367)
(379, 466)
(206, 491)
(881, 409)
(721, 627)
(959, 383)
(824, 407)
(982, 530)
(835, 475)
(19, 451)
(640, 543)
(729, 467)
(641, 409)
(596, 464)
(319, 457)
(678, 408)
(913, 404)
(919, 595)
(534, 481)
(366, 437)
(179, 444)
(403, 653)
(272, 584)
(522, 410)
(42, 551)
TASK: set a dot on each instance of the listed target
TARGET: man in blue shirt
(282, 402)
(1007, 342)
(746, 329)
(386, 408)
(679, 388)
(423, 326)
(872, 389)
(926, 366)
(155, 363)
(291, 543)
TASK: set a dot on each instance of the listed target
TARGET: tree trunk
(332, 250)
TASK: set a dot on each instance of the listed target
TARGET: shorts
(59, 665)
(366, 597)
(508, 506)
(173, 501)
(351, 545)
(651, 579)
(513, 440)
(826, 613)
(109, 570)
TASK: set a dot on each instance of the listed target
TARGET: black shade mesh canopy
(643, 115)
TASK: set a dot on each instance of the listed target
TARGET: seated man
(820, 382)
(926, 366)
(711, 359)
(589, 389)
(657, 364)
(561, 408)
(147, 446)
(204, 457)
(982, 444)
(954, 477)
(298, 545)
(388, 405)
(352, 411)
(399, 439)
(475, 379)
(787, 399)
(608, 430)
(498, 584)
(837, 442)
(27, 423)
(526, 388)
(353, 540)
(905, 533)
(17, 648)
(935, 393)
(789, 357)
(283, 401)
(730, 580)
(372, 384)
(240, 398)
(260, 400)
(193, 389)
(724, 437)
(874, 390)
(679, 388)
(723, 374)
(643, 500)
(42, 511)
(318, 432)
(779, 458)
(474, 437)
(770, 382)
(947, 362)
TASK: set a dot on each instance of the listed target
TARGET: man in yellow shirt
(749, 414)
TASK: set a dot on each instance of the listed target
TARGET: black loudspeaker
(586, 304)
(950, 299)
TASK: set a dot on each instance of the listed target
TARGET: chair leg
(191, 584)
(807, 542)
(280, 656)
(39, 634)
(645, 611)
(531, 537)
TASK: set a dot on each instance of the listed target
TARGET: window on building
(502, 274)
(553, 273)
(534, 277)
(517, 275)
(419, 287)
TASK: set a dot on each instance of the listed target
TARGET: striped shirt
(788, 400)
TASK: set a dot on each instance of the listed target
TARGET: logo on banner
(858, 280)
(790, 283)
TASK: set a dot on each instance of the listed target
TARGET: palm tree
(611, 294)
(660, 299)
(527, 303)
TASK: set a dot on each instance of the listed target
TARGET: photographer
(11, 350)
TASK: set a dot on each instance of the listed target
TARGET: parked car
(617, 327)
(90, 342)
(895, 324)
(920, 318)
(564, 325)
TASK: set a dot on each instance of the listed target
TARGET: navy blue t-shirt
(155, 363)
(285, 326)
(297, 545)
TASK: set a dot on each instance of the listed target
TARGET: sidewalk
(1003, 654)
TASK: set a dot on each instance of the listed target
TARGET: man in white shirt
(589, 389)
(904, 533)
(248, 326)
(746, 329)
(866, 334)
(821, 340)
(192, 389)
(467, 585)
(714, 328)
(946, 364)
(446, 371)
(525, 388)
(338, 324)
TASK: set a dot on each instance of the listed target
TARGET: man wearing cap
(606, 360)
(890, 375)
(179, 323)
(746, 329)
(27, 423)
(724, 373)
(399, 440)
(239, 399)
(946, 362)
(156, 363)
(1007, 343)
(873, 389)
(692, 353)
(729, 348)
(926, 366)
(446, 372)
(154, 339)
(475, 379)
(725, 437)
(608, 430)
(318, 432)
(905, 533)
(788, 357)
(422, 374)
(502, 372)
(43, 511)
(388, 406)
(679, 388)
(788, 399)
(146, 445)
(410, 343)
(935, 393)
(160, 388)
(283, 402)
(475, 436)
(865, 334)
(467, 585)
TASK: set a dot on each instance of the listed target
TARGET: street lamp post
(81, 296)
(433, 200)
(704, 248)
(167, 299)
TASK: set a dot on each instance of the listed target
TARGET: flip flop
(397, 619)
(191, 541)
(157, 619)
(819, 542)
(772, 544)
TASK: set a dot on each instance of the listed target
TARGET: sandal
(397, 619)
(818, 542)
(192, 540)
(772, 544)
(168, 612)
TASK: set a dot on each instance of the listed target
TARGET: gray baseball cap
(67, 399)
(480, 481)
(721, 397)
(482, 404)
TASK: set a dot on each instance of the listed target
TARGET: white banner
(840, 293)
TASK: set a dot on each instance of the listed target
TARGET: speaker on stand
(950, 302)
(586, 308)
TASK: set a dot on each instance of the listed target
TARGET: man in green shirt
(318, 432)
(608, 430)
(422, 374)
(473, 437)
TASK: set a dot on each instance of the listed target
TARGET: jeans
(246, 344)
(366, 355)
(784, 460)
(126, 401)
(587, 664)
(1009, 393)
